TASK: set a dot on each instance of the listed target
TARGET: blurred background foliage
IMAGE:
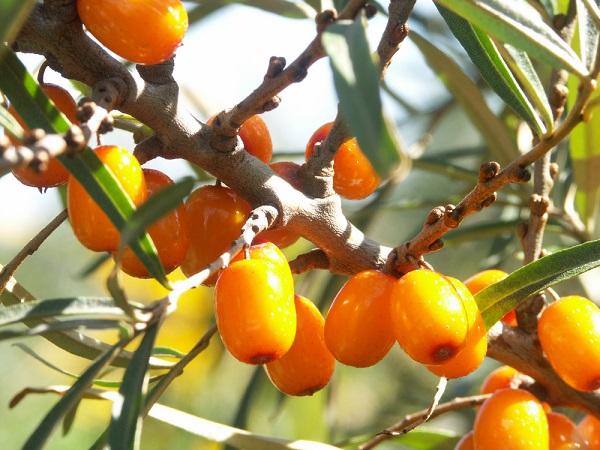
(223, 58)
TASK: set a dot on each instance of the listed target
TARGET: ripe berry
(466, 442)
(269, 252)
(569, 332)
(256, 138)
(432, 316)
(169, 233)
(486, 278)
(282, 237)
(254, 307)
(589, 430)
(215, 217)
(511, 419)
(91, 225)
(55, 173)
(500, 378)
(563, 433)
(141, 31)
(357, 327)
(308, 366)
(354, 176)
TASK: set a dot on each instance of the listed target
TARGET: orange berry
(308, 366)
(357, 327)
(500, 378)
(282, 237)
(486, 278)
(432, 315)
(169, 233)
(256, 138)
(215, 216)
(563, 433)
(569, 332)
(354, 177)
(589, 430)
(55, 173)
(254, 307)
(511, 419)
(145, 32)
(91, 225)
(269, 252)
(466, 442)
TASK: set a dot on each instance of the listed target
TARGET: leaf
(485, 55)
(77, 306)
(285, 8)
(518, 23)
(356, 80)
(469, 95)
(13, 15)
(39, 112)
(10, 125)
(429, 439)
(73, 342)
(71, 398)
(587, 30)
(45, 328)
(125, 428)
(497, 299)
(167, 352)
(235, 437)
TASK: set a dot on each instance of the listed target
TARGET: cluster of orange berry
(514, 418)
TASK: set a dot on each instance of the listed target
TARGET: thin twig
(30, 248)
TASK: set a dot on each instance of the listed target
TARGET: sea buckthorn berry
(169, 233)
(254, 307)
(466, 442)
(432, 315)
(354, 177)
(215, 217)
(282, 237)
(55, 173)
(269, 252)
(486, 278)
(308, 366)
(569, 331)
(501, 378)
(357, 327)
(91, 225)
(145, 32)
(511, 419)
(589, 430)
(256, 138)
(563, 433)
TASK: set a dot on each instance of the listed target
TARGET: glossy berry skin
(140, 31)
(357, 327)
(254, 307)
(563, 433)
(269, 252)
(466, 442)
(569, 332)
(354, 177)
(589, 430)
(500, 378)
(511, 419)
(282, 237)
(308, 366)
(55, 173)
(256, 138)
(215, 217)
(432, 316)
(486, 278)
(91, 225)
(169, 233)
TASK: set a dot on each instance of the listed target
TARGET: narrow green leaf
(39, 112)
(492, 130)
(45, 328)
(499, 298)
(587, 33)
(428, 439)
(10, 125)
(125, 428)
(38, 438)
(285, 8)
(518, 23)
(13, 14)
(485, 55)
(356, 80)
(167, 352)
(73, 342)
